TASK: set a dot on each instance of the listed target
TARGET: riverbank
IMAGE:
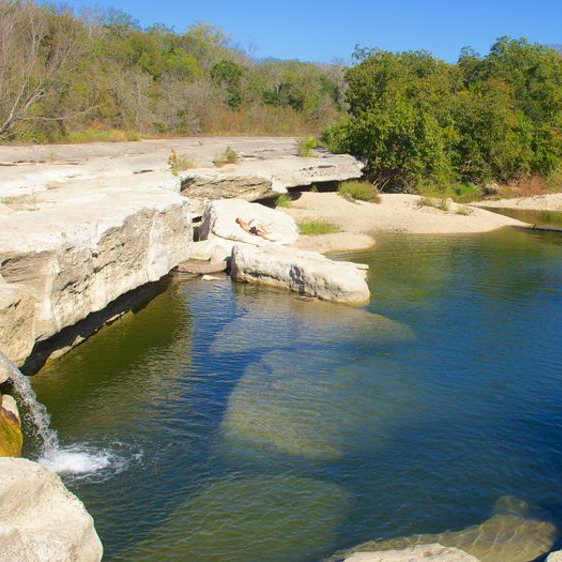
(359, 221)
(546, 202)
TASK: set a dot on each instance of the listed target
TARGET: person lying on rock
(253, 228)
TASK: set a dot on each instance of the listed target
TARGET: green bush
(355, 190)
(317, 227)
(305, 147)
(418, 121)
(178, 163)
(229, 156)
(283, 201)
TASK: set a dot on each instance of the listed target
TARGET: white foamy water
(77, 460)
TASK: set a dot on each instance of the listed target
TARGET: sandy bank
(549, 202)
(395, 213)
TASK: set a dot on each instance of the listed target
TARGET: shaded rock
(219, 220)
(40, 519)
(11, 437)
(266, 518)
(82, 249)
(310, 407)
(505, 536)
(427, 552)
(201, 267)
(307, 273)
(207, 186)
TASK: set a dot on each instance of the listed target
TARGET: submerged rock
(427, 553)
(306, 273)
(309, 407)
(240, 519)
(219, 220)
(40, 519)
(11, 437)
(275, 321)
(509, 535)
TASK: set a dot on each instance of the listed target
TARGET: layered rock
(306, 273)
(427, 553)
(40, 519)
(78, 251)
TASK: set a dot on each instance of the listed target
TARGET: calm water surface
(249, 424)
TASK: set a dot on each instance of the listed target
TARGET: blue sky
(328, 30)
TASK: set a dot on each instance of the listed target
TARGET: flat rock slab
(425, 553)
(219, 220)
(306, 273)
(40, 519)
(201, 267)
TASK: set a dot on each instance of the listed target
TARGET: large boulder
(11, 437)
(306, 273)
(78, 250)
(40, 519)
(219, 221)
(427, 553)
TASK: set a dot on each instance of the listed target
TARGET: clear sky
(327, 30)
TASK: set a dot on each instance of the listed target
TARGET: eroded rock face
(511, 534)
(306, 273)
(78, 251)
(11, 437)
(427, 553)
(40, 519)
(219, 221)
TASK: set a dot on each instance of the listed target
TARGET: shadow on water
(258, 424)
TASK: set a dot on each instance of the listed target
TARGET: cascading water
(36, 419)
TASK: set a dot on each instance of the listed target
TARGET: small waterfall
(78, 459)
(36, 414)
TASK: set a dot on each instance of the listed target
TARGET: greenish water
(552, 219)
(241, 423)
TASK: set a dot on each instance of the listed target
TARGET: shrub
(178, 163)
(229, 156)
(464, 211)
(317, 227)
(442, 203)
(306, 145)
(283, 201)
(359, 191)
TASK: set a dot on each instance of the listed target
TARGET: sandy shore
(549, 202)
(395, 213)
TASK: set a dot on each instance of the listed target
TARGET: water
(544, 219)
(241, 423)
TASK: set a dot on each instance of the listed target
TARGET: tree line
(62, 75)
(421, 123)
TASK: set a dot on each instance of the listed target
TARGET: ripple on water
(239, 519)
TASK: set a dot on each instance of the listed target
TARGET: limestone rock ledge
(307, 273)
(77, 250)
(40, 519)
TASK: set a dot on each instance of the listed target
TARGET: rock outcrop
(11, 437)
(40, 519)
(512, 533)
(427, 553)
(306, 273)
(219, 221)
(78, 251)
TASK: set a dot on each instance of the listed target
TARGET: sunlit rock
(274, 321)
(40, 519)
(511, 534)
(241, 519)
(315, 407)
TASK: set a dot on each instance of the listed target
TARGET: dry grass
(354, 190)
